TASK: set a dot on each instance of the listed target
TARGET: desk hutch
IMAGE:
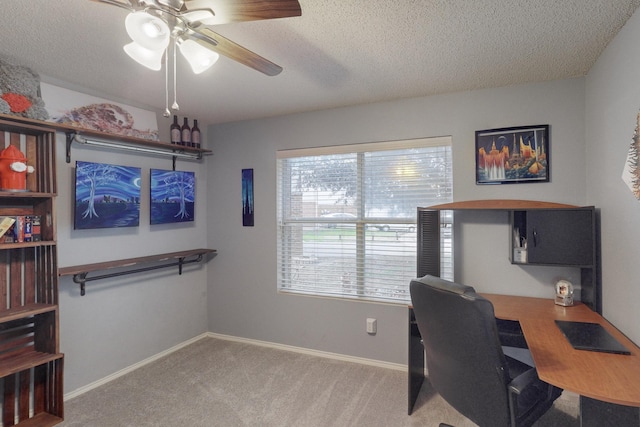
(557, 235)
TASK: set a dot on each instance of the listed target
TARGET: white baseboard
(108, 378)
(317, 353)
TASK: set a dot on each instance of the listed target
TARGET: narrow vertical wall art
(247, 197)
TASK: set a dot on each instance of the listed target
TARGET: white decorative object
(564, 293)
(631, 172)
(89, 112)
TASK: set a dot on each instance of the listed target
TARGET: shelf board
(4, 246)
(129, 262)
(587, 266)
(134, 141)
(43, 419)
(24, 125)
(500, 204)
(26, 195)
(23, 311)
(17, 362)
(91, 132)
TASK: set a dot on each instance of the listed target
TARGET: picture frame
(173, 196)
(106, 196)
(247, 198)
(513, 155)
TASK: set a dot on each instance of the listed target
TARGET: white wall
(242, 296)
(121, 321)
(612, 103)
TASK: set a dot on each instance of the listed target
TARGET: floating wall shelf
(100, 139)
(108, 140)
(179, 259)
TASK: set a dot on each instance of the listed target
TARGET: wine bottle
(175, 131)
(195, 135)
(186, 133)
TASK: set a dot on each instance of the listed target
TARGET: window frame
(361, 221)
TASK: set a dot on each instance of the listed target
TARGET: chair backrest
(465, 362)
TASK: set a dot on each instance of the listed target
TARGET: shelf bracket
(82, 279)
(70, 136)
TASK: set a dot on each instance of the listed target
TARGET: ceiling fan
(190, 21)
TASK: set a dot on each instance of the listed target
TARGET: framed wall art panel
(247, 197)
(173, 196)
(512, 155)
(106, 196)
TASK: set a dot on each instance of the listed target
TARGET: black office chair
(465, 362)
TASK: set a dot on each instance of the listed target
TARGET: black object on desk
(590, 336)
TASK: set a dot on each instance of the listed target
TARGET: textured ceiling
(339, 52)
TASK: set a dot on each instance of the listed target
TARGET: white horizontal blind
(347, 215)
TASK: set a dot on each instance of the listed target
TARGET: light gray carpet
(215, 382)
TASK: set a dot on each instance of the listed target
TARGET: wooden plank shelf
(27, 244)
(27, 310)
(131, 140)
(80, 272)
(43, 419)
(26, 194)
(21, 361)
(121, 140)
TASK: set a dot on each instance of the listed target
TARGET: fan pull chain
(166, 113)
(175, 105)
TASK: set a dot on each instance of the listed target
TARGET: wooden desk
(608, 377)
(597, 377)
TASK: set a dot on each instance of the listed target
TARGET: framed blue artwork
(173, 196)
(247, 197)
(106, 196)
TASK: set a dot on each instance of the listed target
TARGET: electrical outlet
(372, 325)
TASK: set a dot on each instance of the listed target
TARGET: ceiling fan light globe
(199, 57)
(147, 30)
(151, 59)
(152, 29)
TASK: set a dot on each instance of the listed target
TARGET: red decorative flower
(18, 103)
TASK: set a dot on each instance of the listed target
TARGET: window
(347, 215)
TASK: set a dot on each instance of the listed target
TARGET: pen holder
(520, 255)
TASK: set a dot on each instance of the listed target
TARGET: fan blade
(232, 50)
(173, 4)
(246, 10)
(125, 4)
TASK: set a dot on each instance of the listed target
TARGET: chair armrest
(517, 386)
(522, 381)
